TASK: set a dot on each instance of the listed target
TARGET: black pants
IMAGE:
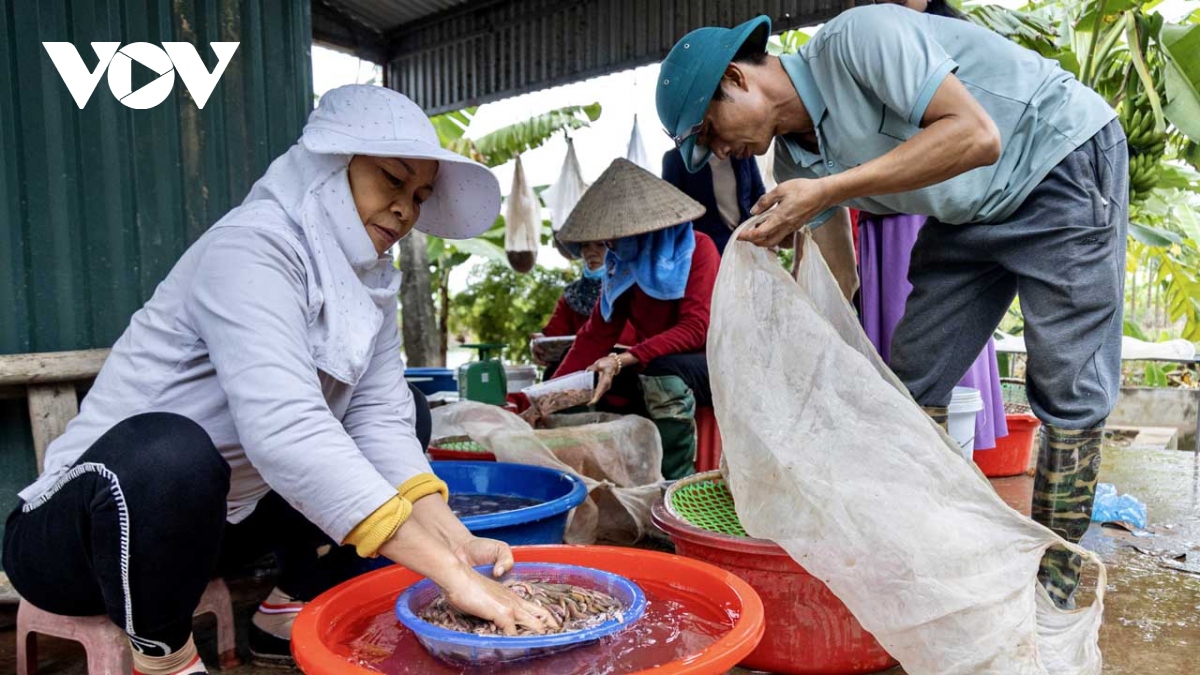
(136, 528)
(691, 368)
(668, 392)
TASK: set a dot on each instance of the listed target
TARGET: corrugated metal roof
(386, 15)
(505, 48)
(96, 205)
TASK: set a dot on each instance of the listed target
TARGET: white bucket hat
(362, 119)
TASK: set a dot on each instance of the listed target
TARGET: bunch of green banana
(1140, 132)
(1147, 145)
(1144, 171)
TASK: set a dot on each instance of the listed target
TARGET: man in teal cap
(1021, 169)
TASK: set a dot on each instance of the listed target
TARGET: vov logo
(178, 57)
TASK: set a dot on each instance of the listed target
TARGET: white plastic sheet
(522, 222)
(829, 456)
(618, 457)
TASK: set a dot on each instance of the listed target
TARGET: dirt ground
(1152, 617)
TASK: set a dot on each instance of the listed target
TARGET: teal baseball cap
(689, 78)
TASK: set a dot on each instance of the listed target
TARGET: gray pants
(1063, 253)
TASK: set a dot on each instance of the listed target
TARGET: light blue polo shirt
(867, 77)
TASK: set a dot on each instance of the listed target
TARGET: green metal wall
(96, 205)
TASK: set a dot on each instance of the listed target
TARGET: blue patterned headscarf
(658, 262)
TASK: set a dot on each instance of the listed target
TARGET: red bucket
(1012, 453)
(810, 631)
(708, 440)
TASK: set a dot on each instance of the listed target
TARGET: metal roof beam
(338, 27)
(485, 51)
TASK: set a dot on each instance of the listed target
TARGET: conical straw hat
(626, 200)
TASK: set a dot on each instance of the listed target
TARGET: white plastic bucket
(965, 405)
(520, 377)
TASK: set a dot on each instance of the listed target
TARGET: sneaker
(270, 651)
(271, 629)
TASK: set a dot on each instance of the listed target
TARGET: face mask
(589, 273)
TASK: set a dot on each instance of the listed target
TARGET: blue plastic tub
(543, 523)
(431, 380)
(460, 647)
(540, 524)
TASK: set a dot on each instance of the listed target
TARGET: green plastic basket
(458, 444)
(707, 504)
(1016, 400)
(459, 448)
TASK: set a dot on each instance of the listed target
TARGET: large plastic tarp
(828, 456)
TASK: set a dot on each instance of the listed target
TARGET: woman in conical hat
(575, 306)
(658, 279)
(259, 398)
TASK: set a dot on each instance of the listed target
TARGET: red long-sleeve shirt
(661, 327)
(565, 321)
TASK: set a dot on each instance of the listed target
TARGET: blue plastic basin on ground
(431, 380)
(543, 523)
(461, 647)
(539, 524)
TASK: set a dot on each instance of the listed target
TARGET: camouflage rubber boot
(1063, 492)
(672, 407)
(940, 415)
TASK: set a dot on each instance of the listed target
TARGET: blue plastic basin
(431, 380)
(460, 647)
(539, 524)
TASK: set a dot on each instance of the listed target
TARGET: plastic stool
(708, 441)
(106, 645)
(216, 601)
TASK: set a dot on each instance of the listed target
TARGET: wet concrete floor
(1152, 600)
(1152, 614)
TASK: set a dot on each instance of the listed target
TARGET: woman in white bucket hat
(259, 398)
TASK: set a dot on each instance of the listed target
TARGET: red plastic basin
(809, 631)
(691, 581)
(1011, 455)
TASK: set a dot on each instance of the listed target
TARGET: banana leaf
(452, 126)
(1025, 28)
(1179, 178)
(482, 248)
(1106, 9)
(788, 42)
(1153, 236)
(1181, 44)
(506, 143)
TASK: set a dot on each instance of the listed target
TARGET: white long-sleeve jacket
(223, 341)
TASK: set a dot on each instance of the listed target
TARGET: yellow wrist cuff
(369, 535)
(423, 485)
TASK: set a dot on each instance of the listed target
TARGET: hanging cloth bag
(522, 222)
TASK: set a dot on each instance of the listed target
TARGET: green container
(483, 380)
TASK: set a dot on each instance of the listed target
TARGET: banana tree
(441, 256)
(1149, 71)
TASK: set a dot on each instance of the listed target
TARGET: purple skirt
(885, 245)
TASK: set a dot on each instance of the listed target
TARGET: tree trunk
(444, 315)
(1133, 291)
(417, 312)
